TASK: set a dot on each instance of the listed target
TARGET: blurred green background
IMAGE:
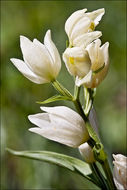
(33, 19)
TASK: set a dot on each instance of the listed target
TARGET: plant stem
(61, 89)
(79, 109)
(100, 176)
(93, 137)
(104, 164)
(108, 174)
(76, 92)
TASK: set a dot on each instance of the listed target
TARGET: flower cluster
(85, 59)
(88, 61)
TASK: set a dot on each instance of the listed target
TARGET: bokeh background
(19, 95)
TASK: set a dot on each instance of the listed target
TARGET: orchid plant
(88, 62)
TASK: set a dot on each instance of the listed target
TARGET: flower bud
(89, 65)
(41, 63)
(77, 61)
(60, 124)
(80, 27)
(86, 152)
(120, 171)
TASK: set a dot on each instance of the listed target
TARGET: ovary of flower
(41, 63)
(86, 152)
(120, 171)
(90, 65)
(60, 124)
(80, 27)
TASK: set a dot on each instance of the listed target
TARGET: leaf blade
(54, 98)
(65, 161)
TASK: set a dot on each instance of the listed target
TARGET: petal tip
(30, 117)
(48, 32)
(22, 37)
(12, 59)
(31, 129)
(107, 43)
(43, 108)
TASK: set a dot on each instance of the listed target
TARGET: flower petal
(43, 49)
(64, 112)
(84, 81)
(40, 119)
(35, 58)
(59, 129)
(96, 15)
(98, 77)
(60, 124)
(120, 171)
(104, 48)
(96, 55)
(25, 70)
(58, 136)
(81, 62)
(73, 19)
(53, 52)
(86, 38)
(86, 152)
(120, 157)
(81, 27)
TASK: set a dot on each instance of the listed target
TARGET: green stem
(108, 174)
(77, 104)
(76, 92)
(79, 109)
(61, 89)
(100, 176)
(94, 139)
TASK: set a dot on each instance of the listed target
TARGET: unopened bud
(87, 153)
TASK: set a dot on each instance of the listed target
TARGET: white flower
(77, 61)
(86, 152)
(99, 64)
(80, 25)
(41, 63)
(89, 65)
(120, 171)
(60, 124)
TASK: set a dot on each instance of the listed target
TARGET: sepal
(54, 99)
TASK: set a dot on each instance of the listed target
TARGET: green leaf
(68, 162)
(55, 98)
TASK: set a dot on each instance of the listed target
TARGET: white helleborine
(89, 65)
(120, 171)
(80, 27)
(86, 152)
(41, 63)
(77, 61)
(60, 124)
